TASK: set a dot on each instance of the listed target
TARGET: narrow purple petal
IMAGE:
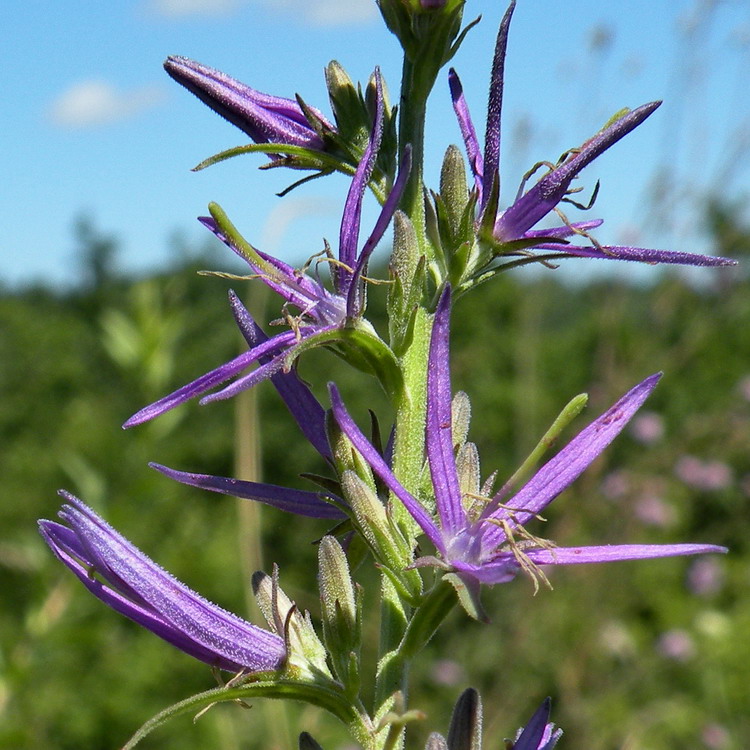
(349, 233)
(265, 118)
(617, 552)
(379, 466)
(495, 106)
(299, 399)
(561, 471)
(503, 566)
(439, 429)
(354, 296)
(465, 124)
(537, 202)
(639, 254)
(132, 575)
(300, 502)
(290, 341)
(209, 380)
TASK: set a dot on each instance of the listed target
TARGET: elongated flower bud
(265, 118)
(341, 623)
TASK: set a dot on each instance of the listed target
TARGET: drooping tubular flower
(265, 118)
(512, 230)
(326, 318)
(119, 574)
(492, 546)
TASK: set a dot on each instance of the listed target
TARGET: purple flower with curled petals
(119, 574)
(265, 118)
(323, 314)
(493, 546)
(511, 232)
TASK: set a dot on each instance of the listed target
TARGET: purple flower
(512, 229)
(493, 545)
(325, 317)
(539, 733)
(123, 577)
(265, 118)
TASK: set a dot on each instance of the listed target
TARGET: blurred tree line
(651, 655)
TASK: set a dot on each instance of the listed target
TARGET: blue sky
(91, 123)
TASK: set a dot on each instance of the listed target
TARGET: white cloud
(183, 8)
(317, 12)
(329, 12)
(91, 103)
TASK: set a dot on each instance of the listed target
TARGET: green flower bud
(341, 621)
(305, 651)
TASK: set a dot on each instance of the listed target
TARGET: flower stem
(412, 111)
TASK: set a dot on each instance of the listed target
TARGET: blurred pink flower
(647, 428)
(616, 484)
(655, 511)
(716, 737)
(705, 576)
(677, 645)
(703, 475)
(744, 387)
(448, 672)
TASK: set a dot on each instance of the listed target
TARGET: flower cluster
(425, 480)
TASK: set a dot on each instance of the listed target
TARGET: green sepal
(434, 607)
(387, 543)
(489, 212)
(363, 349)
(321, 128)
(460, 264)
(299, 157)
(460, 39)
(432, 230)
(331, 486)
(469, 595)
(514, 247)
(306, 655)
(571, 410)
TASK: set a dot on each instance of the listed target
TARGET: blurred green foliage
(644, 656)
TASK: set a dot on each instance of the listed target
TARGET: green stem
(394, 667)
(412, 111)
(411, 407)
(393, 623)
